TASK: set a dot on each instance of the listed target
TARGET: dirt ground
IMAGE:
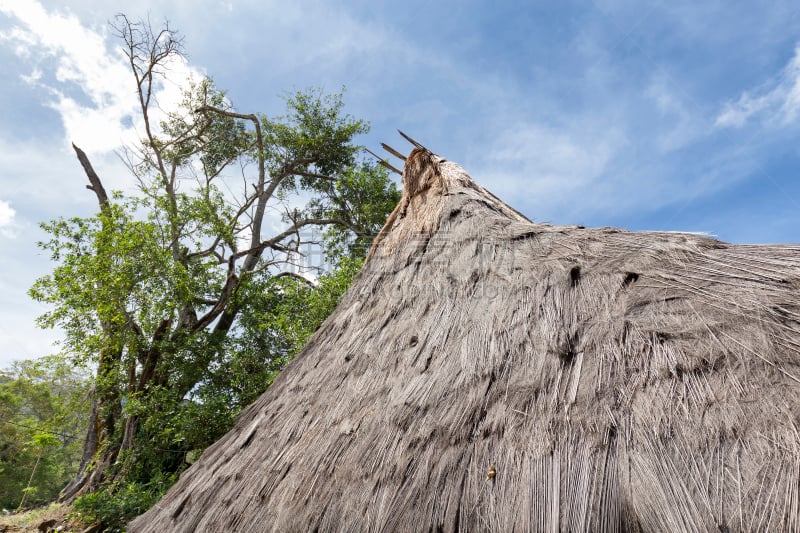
(46, 519)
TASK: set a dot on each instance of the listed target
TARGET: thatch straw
(614, 380)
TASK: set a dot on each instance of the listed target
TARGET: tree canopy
(188, 294)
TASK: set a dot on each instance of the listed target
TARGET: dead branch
(95, 184)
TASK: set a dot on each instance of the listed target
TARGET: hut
(488, 373)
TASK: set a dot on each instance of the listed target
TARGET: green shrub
(115, 506)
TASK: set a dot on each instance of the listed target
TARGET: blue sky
(674, 115)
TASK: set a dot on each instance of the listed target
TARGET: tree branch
(286, 233)
(94, 180)
(288, 274)
(262, 194)
(314, 175)
(157, 52)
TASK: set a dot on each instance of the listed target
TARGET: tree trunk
(80, 483)
(99, 449)
(98, 454)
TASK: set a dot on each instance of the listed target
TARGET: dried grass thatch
(614, 381)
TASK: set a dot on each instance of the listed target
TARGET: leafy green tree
(285, 313)
(44, 406)
(188, 295)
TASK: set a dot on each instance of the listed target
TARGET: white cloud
(736, 114)
(6, 214)
(6, 220)
(89, 84)
(777, 101)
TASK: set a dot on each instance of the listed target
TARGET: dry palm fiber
(613, 381)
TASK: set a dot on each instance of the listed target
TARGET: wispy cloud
(776, 102)
(88, 83)
(546, 165)
(678, 122)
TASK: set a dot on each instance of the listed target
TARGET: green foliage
(43, 412)
(180, 294)
(116, 505)
(363, 197)
(284, 313)
(325, 148)
(108, 263)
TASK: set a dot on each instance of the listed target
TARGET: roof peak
(428, 179)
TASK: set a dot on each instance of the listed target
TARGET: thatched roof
(613, 380)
